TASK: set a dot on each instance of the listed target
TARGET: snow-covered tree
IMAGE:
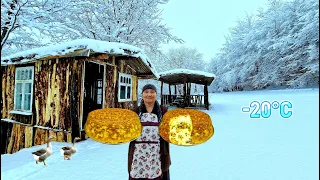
(182, 57)
(31, 23)
(278, 48)
(134, 22)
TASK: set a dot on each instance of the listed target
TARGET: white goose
(68, 151)
(42, 154)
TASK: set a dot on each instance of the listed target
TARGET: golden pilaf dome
(113, 125)
(186, 127)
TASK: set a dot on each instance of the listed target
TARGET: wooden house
(51, 90)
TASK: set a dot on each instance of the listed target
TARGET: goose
(68, 151)
(42, 154)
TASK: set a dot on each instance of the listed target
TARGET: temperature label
(264, 109)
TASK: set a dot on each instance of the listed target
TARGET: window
(23, 91)
(99, 91)
(125, 87)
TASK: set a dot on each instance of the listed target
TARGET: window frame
(23, 91)
(99, 95)
(126, 87)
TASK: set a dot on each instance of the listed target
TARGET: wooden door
(93, 89)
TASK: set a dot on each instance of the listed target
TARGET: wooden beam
(102, 56)
(184, 92)
(175, 89)
(206, 98)
(161, 93)
(28, 136)
(144, 74)
(170, 100)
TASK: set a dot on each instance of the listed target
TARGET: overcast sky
(202, 24)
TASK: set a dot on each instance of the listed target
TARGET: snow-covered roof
(179, 76)
(63, 49)
(186, 71)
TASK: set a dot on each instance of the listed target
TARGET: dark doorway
(6, 129)
(93, 89)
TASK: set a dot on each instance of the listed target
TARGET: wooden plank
(170, 96)
(74, 103)
(16, 141)
(69, 137)
(10, 145)
(121, 66)
(206, 98)
(109, 87)
(60, 137)
(41, 136)
(57, 101)
(115, 73)
(102, 56)
(162, 100)
(53, 134)
(22, 131)
(4, 71)
(134, 88)
(64, 117)
(41, 84)
(49, 100)
(175, 89)
(80, 97)
(45, 136)
(28, 136)
(9, 90)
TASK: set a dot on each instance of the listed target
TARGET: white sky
(202, 24)
(241, 148)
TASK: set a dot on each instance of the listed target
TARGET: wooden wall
(18, 136)
(57, 100)
(51, 104)
(123, 67)
(7, 72)
(110, 87)
(53, 79)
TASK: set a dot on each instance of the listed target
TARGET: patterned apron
(146, 156)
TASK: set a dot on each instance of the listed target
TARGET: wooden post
(175, 89)
(74, 106)
(189, 93)
(184, 90)
(170, 99)
(161, 95)
(60, 136)
(206, 98)
(69, 137)
(28, 136)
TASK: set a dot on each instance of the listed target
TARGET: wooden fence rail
(16, 135)
(190, 100)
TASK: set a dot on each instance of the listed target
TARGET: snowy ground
(241, 148)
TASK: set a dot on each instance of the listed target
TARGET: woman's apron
(146, 156)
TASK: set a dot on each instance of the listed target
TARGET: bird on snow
(42, 154)
(68, 151)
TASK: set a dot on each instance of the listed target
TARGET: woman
(149, 156)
